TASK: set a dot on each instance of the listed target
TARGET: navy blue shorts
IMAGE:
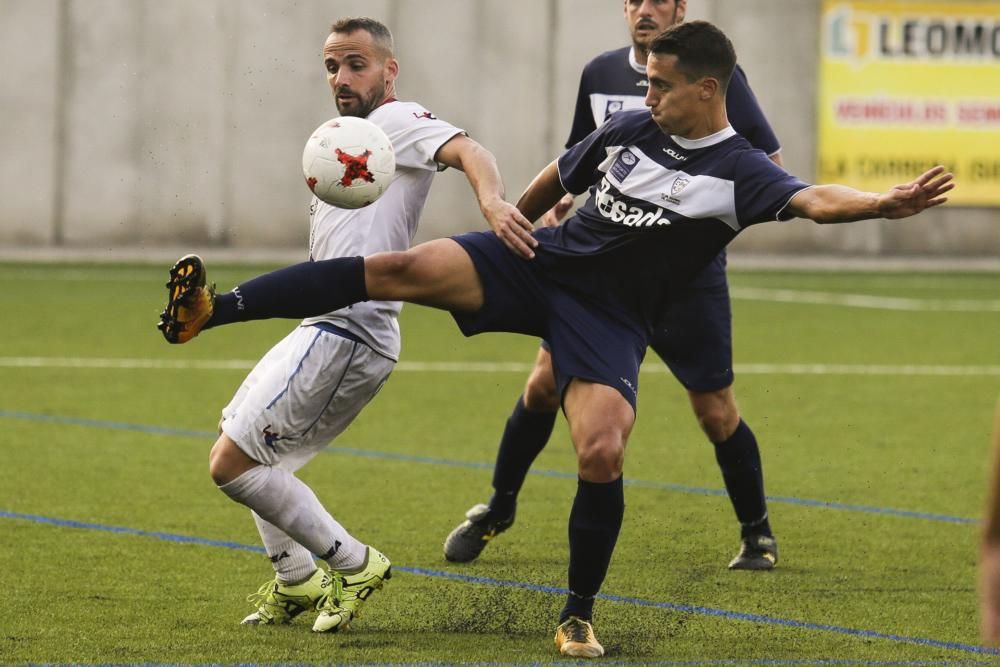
(695, 337)
(588, 340)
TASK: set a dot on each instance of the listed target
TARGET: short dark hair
(701, 50)
(379, 32)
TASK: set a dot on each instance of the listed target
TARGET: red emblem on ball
(355, 167)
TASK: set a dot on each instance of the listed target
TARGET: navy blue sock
(523, 438)
(739, 461)
(594, 523)
(302, 290)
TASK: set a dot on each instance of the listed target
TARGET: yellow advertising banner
(907, 84)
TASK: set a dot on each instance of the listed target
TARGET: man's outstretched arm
(480, 167)
(838, 203)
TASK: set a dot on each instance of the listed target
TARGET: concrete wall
(30, 108)
(146, 123)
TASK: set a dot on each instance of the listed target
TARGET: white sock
(292, 562)
(283, 500)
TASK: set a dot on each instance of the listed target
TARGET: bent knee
(540, 392)
(601, 465)
(388, 266)
(226, 461)
(719, 423)
(601, 460)
(216, 464)
(716, 413)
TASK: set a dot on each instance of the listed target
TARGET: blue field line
(412, 458)
(554, 590)
(664, 486)
(170, 537)
(101, 423)
(566, 661)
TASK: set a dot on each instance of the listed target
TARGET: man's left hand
(913, 197)
(512, 228)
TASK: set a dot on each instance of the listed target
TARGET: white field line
(76, 275)
(499, 367)
(862, 369)
(865, 300)
(126, 364)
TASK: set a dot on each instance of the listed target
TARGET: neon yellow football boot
(350, 591)
(279, 603)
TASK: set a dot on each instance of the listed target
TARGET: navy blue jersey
(614, 81)
(660, 208)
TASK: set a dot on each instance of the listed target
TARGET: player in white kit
(309, 387)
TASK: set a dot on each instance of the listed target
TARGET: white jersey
(387, 224)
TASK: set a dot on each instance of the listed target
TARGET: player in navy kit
(669, 189)
(694, 338)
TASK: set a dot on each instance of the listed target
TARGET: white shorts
(302, 394)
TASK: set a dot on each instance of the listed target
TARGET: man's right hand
(554, 215)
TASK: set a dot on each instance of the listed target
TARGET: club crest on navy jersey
(676, 187)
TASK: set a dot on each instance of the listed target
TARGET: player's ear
(391, 69)
(680, 11)
(709, 88)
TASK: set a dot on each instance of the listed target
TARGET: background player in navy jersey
(694, 338)
(669, 189)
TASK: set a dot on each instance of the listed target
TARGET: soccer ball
(348, 162)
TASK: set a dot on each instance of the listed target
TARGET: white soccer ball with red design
(348, 162)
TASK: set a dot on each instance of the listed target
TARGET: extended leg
(437, 273)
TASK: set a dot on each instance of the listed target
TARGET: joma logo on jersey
(618, 211)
